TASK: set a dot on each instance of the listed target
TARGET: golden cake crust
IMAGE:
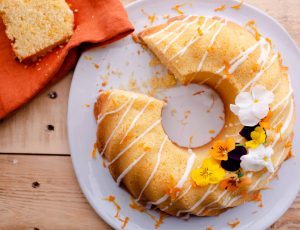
(134, 143)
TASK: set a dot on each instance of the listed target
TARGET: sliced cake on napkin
(35, 27)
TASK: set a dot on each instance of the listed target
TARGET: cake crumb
(104, 83)
(87, 57)
(96, 65)
(166, 16)
(209, 228)
(235, 223)
(173, 112)
(154, 62)
(87, 105)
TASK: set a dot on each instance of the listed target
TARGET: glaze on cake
(245, 155)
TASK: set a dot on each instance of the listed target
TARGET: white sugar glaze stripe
(280, 158)
(179, 34)
(214, 202)
(102, 116)
(183, 179)
(127, 170)
(210, 44)
(136, 119)
(263, 177)
(178, 198)
(155, 167)
(193, 40)
(209, 191)
(167, 27)
(260, 73)
(171, 32)
(283, 100)
(117, 126)
(280, 113)
(286, 124)
(135, 141)
(235, 62)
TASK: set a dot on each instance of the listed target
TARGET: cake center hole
(193, 116)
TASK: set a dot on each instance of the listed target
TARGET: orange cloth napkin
(96, 21)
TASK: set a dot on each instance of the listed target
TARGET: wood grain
(26, 131)
(58, 202)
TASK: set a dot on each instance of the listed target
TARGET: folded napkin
(96, 21)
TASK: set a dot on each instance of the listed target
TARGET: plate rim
(262, 223)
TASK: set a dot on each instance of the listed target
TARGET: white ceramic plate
(123, 62)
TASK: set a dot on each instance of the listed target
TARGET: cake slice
(35, 27)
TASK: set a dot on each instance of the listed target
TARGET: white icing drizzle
(155, 167)
(280, 113)
(260, 73)
(210, 44)
(183, 179)
(285, 125)
(166, 28)
(178, 198)
(171, 32)
(231, 201)
(102, 116)
(283, 100)
(136, 119)
(263, 177)
(208, 191)
(214, 202)
(135, 141)
(280, 158)
(185, 192)
(127, 170)
(179, 34)
(238, 60)
(193, 40)
(275, 87)
(117, 126)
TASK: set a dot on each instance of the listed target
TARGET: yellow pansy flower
(209, 173)
(258, 137)
(220, 149)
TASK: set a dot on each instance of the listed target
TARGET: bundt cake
(230, 170)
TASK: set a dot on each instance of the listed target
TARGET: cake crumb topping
(235, 223)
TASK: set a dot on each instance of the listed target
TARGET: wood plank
(26, 131)
(58, 202)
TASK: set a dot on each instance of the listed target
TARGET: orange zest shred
(288, 144)
(125, 222)
(255, 67)
(282, 66)
(252, 25)
(177, 8)
(112, 199)
(200, 32)
(212, 104)
(235, 223)
(134, 205)
(94, 152)
(226, 70)
(96, 66)
(210, 49)
(238, 6)
(151, 18)
(211, 131)
(220, 8)
(290, 154)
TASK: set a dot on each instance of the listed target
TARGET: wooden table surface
(38, 187)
